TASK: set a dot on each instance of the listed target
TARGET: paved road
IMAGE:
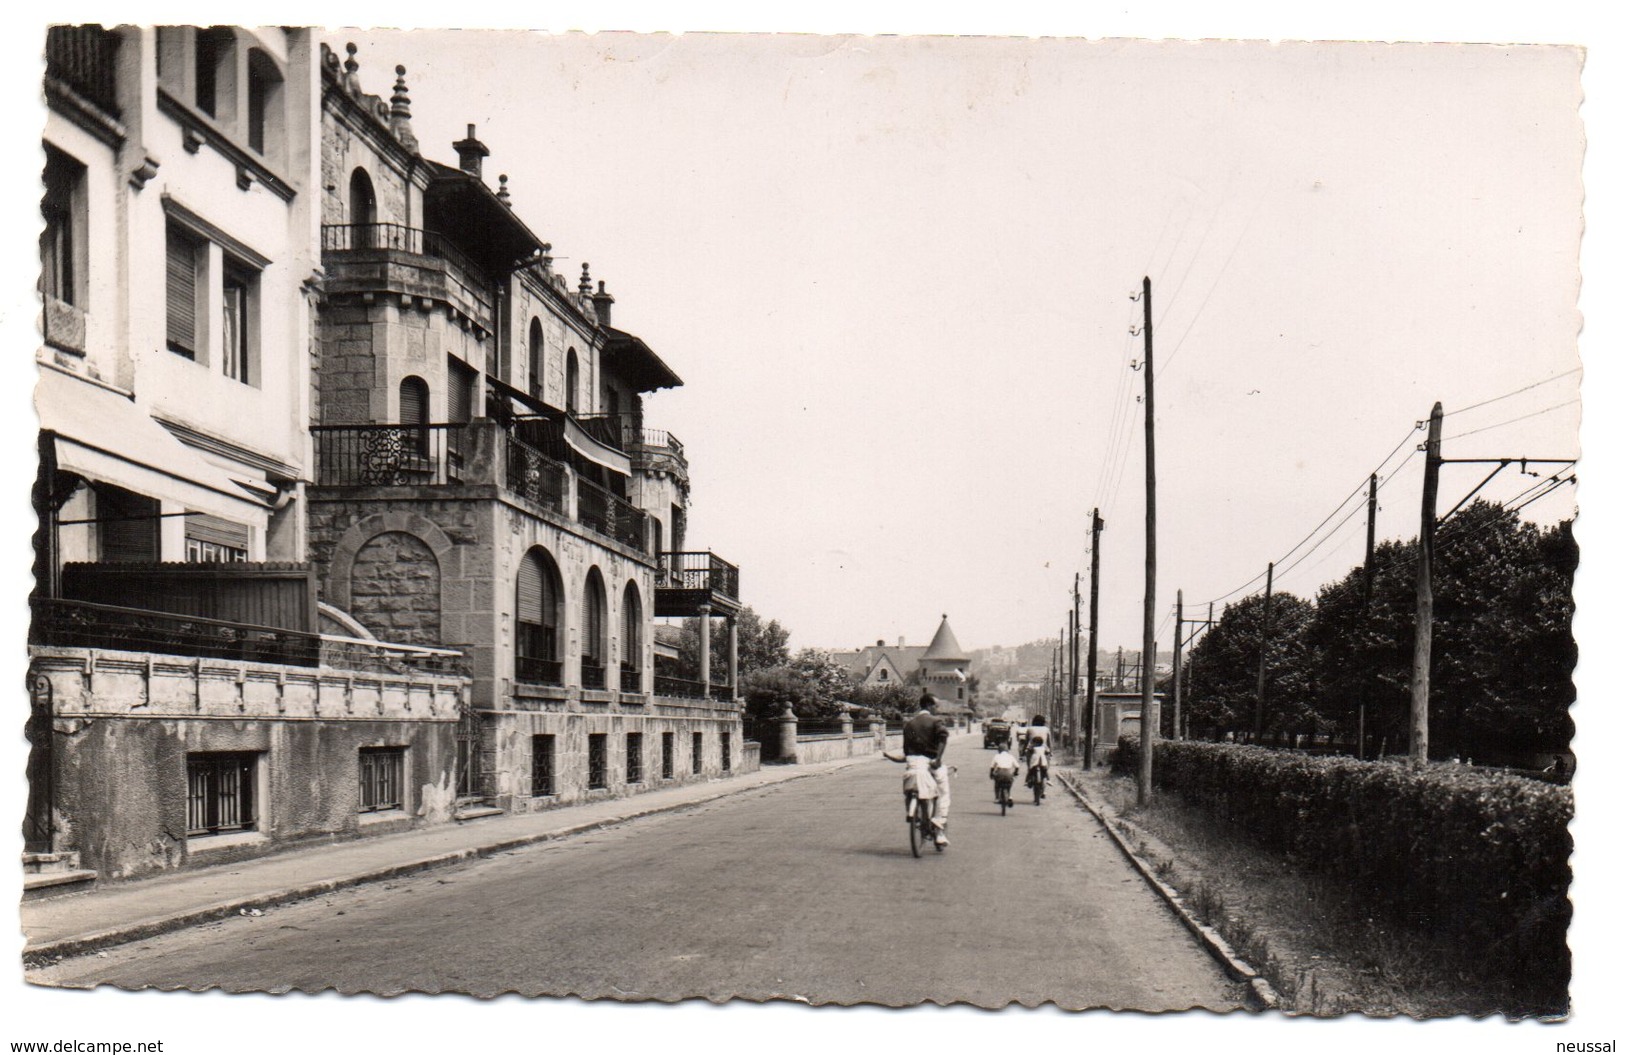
(805, 890)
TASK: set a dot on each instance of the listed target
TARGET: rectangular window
(59, 273)
(697, 756)
(634, 758)
(541, 764)
(727, 753)
(668, 749)
(180, 294)
(597, 760)
(219, 793)
(383, 770)
(235, 323)
(212, 538)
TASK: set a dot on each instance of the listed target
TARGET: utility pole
(1095, 524)
(1422, 659)
(1179, 648)
(1148, 702)
(1118, 680)
(1263, 653)
(1072, 688)
(1365, 605)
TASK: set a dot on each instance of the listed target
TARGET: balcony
(81, 624)
(687, 581)
(83, 58)
(394, 258)
(389, 455)
(608, 515)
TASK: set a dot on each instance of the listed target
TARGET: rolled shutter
(530, 591)
(181, 293)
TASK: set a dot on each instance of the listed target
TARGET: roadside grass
(1305, 931)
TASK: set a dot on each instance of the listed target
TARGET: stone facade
(124, 725)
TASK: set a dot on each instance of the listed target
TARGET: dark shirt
(925, 734)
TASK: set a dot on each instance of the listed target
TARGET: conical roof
(944, 645)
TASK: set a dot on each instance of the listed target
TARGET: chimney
(881, 643)
(899, 640)
(471, 153)
(601, 302)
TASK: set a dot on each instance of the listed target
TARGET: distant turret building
(942, 667)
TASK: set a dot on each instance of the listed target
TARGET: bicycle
(1037, 777)
(1001, 794)
(922, 829)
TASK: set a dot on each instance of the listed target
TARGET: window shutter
(413, 402)
(181, 293)
(128, 525)
(462, 397)
(221, 532)
(530, 591)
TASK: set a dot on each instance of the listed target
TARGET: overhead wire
(1514, 392)
(1510, 421)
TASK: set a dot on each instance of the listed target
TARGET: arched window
(631, 639)
(415, 412)
(572, 381)
(363, 211)
(594, 631)
(539, 620)
(536, 363)
(264, 102)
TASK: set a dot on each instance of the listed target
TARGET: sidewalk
(120, 912)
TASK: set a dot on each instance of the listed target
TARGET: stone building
(942, 667)
(187, 705)
(484, 477)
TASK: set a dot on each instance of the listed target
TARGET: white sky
(895, 277)
(894, 273)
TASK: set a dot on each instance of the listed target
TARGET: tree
(1224, 696)
(761, 646)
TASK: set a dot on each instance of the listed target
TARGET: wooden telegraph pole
(1263, 653)
(1422, 659)
(1365, 604)
(1072, 689)
(1179, 648)
(1095, 524)
(1148, 650)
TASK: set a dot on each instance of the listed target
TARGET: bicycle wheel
(914, 810)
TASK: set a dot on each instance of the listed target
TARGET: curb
(1259, 991)
(81, 944)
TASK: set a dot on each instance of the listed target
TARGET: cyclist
(925, 739)
(1003, 772)
(1037, 753)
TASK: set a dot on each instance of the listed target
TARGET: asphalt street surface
(804, 890)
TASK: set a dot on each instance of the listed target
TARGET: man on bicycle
(926, 736)
(1037, 753)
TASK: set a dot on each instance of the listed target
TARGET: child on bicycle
(1003, 771)
(1037, 753)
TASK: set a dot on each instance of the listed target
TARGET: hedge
(1469, 854)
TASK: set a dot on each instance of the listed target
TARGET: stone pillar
(705, 651)
(733, 658)
(846, 731)
(877, 729)
(787, 736)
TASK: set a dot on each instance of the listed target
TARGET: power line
(1210, 291)
(1509, 421)
(1516, 391)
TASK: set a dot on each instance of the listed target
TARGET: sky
(895, 275)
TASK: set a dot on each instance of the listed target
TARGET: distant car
(996, 733)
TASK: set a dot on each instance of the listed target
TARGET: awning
(103, 436)
(593, 451)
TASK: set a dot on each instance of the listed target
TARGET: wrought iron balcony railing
(352, 237)
(388, 455)
(596, 508)
(697, 571)
(592, 675)
(631, 680)
(683, 688)
(533, 475)
(534, 671)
